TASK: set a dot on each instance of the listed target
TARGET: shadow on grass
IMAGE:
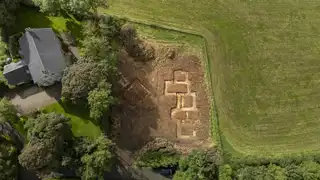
(30, 17)
(75, 29)
(76, 110)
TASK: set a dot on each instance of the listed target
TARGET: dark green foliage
(98, 63)
(225, 172)
(158, 153)
(52, 147)
(135, 47)
(8, 111)
(294, 168)
(81, 78)
(294, 172)
(78, 7)
(48, 135)
(199, 165)
(100, 40)
(100, 100)
(7, 9)
(97, 158)
(8, 161)
(158, 159)
(90, 158)
(14, 46)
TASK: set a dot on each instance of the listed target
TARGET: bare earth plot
(162, 98)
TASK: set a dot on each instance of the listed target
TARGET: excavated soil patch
(162, 98)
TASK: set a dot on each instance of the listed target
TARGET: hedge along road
(264, 66)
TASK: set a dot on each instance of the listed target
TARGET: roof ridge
(34, 44)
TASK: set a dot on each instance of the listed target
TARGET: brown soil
(162, 98)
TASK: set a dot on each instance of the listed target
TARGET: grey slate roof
(17, 73)
(42, 52)
(42, 57)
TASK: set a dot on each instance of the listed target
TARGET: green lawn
(82, 125)
(264, 65)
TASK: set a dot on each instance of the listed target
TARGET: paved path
(33, 98)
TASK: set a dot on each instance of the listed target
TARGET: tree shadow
(76, 30)
(27, 174)
(29, 17)
(23, 91)
(135, 117)
(54, 91)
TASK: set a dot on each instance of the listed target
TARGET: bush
(134, 46)
(157, 153)
(298, 167)
(201, 165)
(14, 46)
(225, 172)
(158, 159)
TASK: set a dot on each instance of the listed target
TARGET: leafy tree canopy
(157, 153)
(98, 63)
(97, 158)
(199, 165)
(8, 111)
(90, 158)
(99, 100)
(78, 7)
(8, 161)
(48, 135)
(82, 77)
(7, 8)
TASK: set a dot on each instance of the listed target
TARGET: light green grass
(264, 66)
(82, 125)
(162, 34)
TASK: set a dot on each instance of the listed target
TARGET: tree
(199, 165)
(48, 135)
(7, 9)
(96, 48)
(81, 78)
(90, 158)
(100, 38)
(8, 111)
(157, 153)
(78, 7)
(275, 172)
(50, 6)
(100, 100)
(225, 172)
(310, 170)
(8, 161)
(97, 158)
(293, 172)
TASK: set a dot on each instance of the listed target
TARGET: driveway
(28, 99)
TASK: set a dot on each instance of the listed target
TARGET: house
(42, 61)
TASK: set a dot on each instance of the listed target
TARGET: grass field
(264, 66)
